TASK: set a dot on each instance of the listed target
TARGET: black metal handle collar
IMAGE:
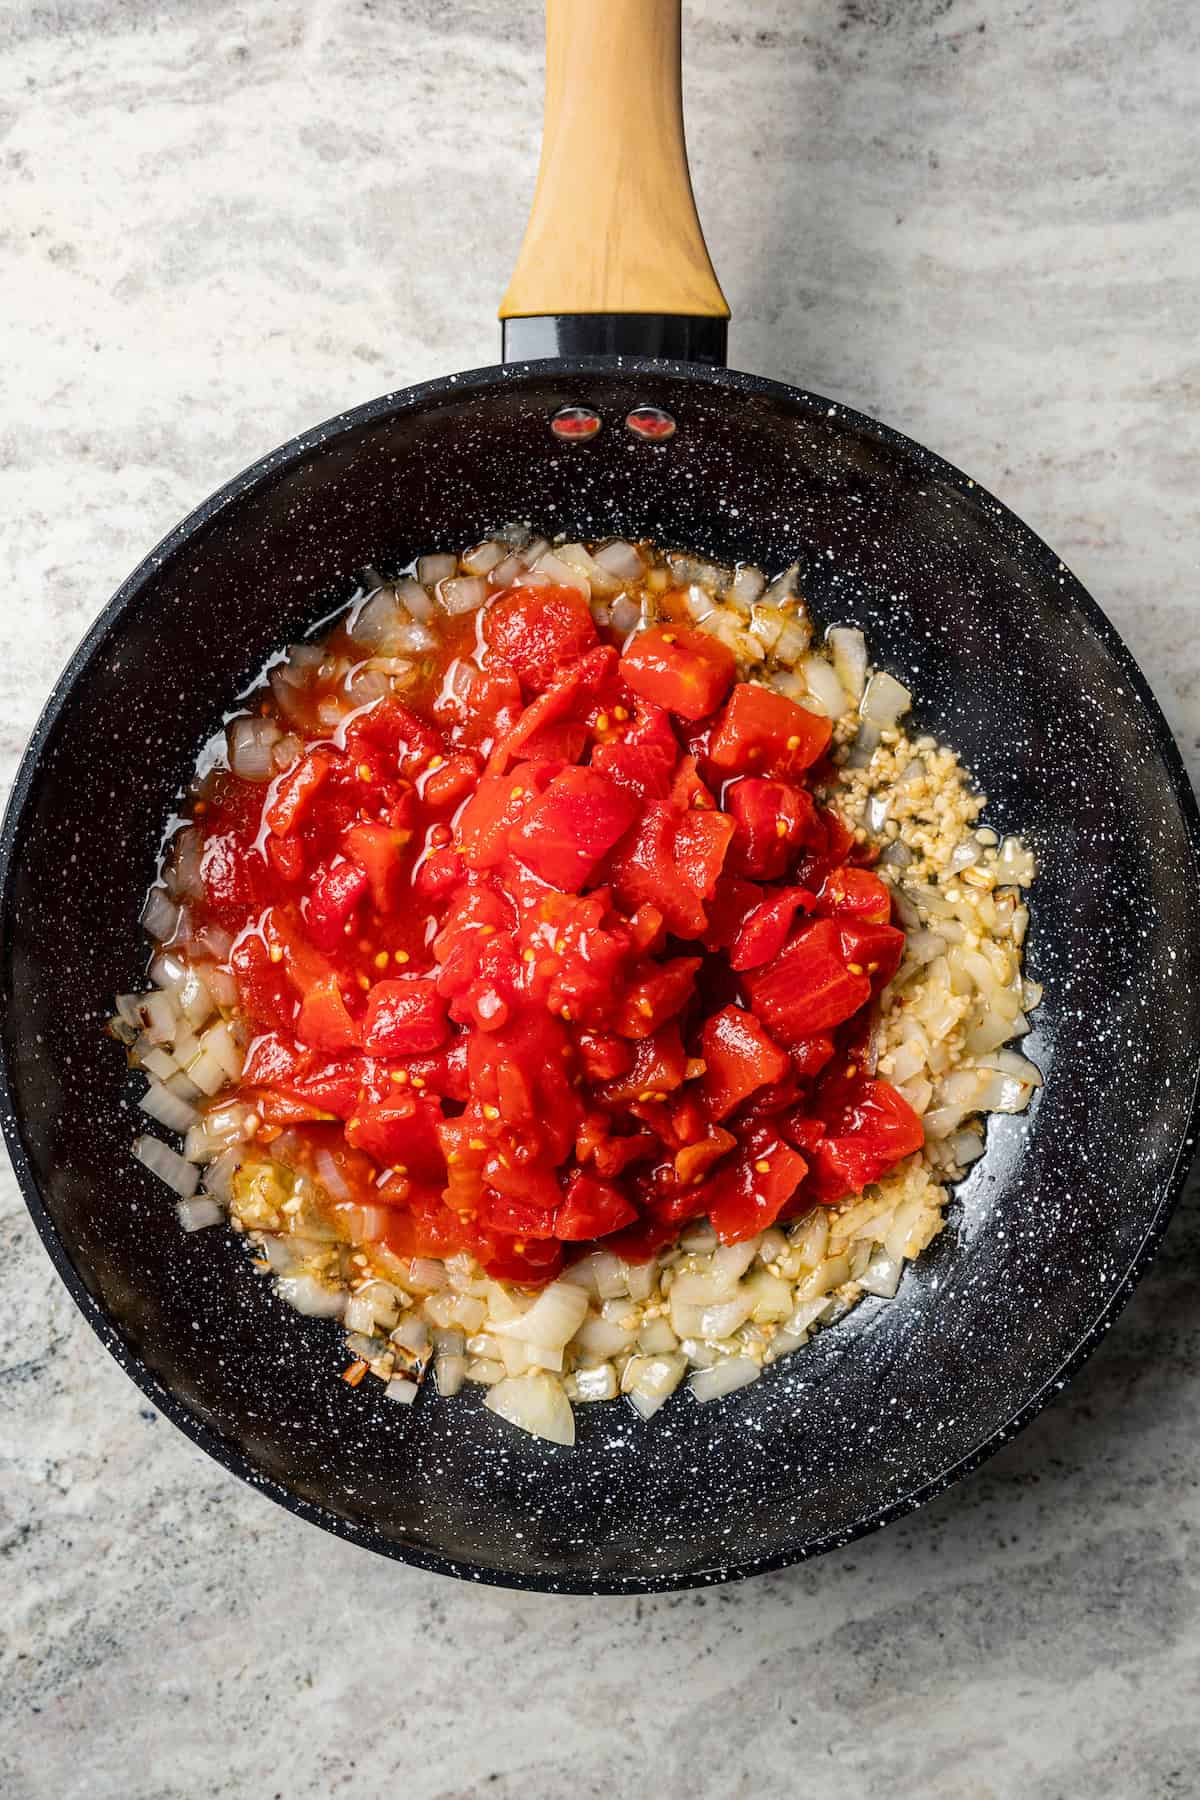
(669, 336)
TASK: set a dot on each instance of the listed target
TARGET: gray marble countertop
(223, 220)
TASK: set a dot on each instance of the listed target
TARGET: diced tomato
(392, 732)
(772, 819)
(575, 822)
(677, 667)
(732, 904)
(701, 842)
(641, 769)
(438, 873)
(748, 1195)
(650, 728)
(442, 1073)
(694, 1160)
(764, 733)
(524, 1072)
(591, 1208)
(332, 899)
(875, 949)
(807, 988)
(616, 1154)
(273, 1057)
(536, 630)
(451, 781)
(869, 1128)
(333, 1084)
(687, 789)
(530, 1262)
(739, 1057)
(602, 1055)
(657, 996)
(644, 870)
(478, 705)
(853, 893)
(400, 1132)
(517, 1217)
(659, 1066)
(323, 1020)
(497, 805)
(809, 1056)
(764, 932)
(404, 1018)
(276, 1106)
(379, 852)
(286, 856)
(263, 989)
(295, 792)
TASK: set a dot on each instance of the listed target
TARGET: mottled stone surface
(222, 222)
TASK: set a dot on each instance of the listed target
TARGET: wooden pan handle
(613, 227)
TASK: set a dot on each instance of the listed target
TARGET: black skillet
(1009, 659)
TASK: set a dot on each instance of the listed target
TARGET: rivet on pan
(575, 423)
(651, 422)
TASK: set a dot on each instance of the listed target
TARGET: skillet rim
(257, 475)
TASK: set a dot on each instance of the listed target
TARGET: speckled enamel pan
(1009, 660)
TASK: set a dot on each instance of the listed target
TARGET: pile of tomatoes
(562, 949)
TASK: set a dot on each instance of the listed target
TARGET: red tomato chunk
(563, 950)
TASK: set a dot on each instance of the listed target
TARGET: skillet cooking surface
(1009, 661)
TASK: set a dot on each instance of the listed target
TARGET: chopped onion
(425, 1275)
(218, 1042)
(724, 1377)
(554, 1317)
(486, 1370)
(484, 557)
(167, 1108)
(160, 915)
(161, 1160)
(1009, 1062)
(563, 574)
(184, 877)
(848, 647)
(884, 701)
(311, 1297)
(602, 1273)
(401, 1389)
(656, 1337)
(599, 579)
(251, 748)
(722, 1320)
(412, 1333)
(882, 1274)
(599, 1383)
(332, 1179)
(196, 1214)
(432, 569)
(449, 1372)
(626, 614)
(784, 586)
(650, 1381)
(534, 1403)
(746, 586)
(640, 1278)
(416, 600)
(460, 594)
(621, 559)
(156, 1062)
(505, 573)
(601, 1337)
(825, 687)
(359, 1314)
